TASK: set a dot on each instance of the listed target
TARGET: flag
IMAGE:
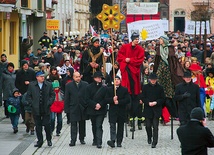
(93, 32)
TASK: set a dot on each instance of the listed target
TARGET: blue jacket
(16, 102)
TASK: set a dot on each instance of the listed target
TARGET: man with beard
(92, 60)
(130, 58)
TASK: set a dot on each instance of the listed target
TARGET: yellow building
(9, 34)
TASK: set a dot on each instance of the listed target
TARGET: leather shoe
(94, 143)
(72, 143)
(153, 146)
(149, 141)
(82, 142)
(49, 143)
(38, 145)
(111, 144)
(99, 146)
(119, 145)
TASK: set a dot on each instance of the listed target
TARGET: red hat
(195, 67)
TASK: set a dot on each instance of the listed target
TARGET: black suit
(75, 104)
(151, 93)
(41, 99)
(185, 105)
(117, 112)
(96, 93)
(195, 138)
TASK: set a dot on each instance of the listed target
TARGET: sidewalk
(23, 144)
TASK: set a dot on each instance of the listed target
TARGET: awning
(6, 7)
(39, 14)
(25, 11)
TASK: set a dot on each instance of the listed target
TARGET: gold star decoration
(111, 17)
(144, 34)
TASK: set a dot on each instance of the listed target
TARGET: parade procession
(107, 77)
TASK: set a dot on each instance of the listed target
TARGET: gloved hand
(186, 95)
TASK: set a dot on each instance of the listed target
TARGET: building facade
(73, 15)
(180, 11)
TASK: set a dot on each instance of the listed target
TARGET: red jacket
(136, 56)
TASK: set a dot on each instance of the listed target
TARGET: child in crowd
(57, 108)
(13, 104)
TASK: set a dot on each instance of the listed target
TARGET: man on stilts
(130, 58)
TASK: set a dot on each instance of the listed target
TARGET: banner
(52, 24)
(190, 27)
(153, 28)
(138, 8)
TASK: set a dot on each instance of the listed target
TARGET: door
(179, 24)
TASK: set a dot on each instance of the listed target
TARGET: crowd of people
(164, 78)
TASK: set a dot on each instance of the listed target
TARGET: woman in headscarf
(169, 72)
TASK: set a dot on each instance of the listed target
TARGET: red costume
(136, 55)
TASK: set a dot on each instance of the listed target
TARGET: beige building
(73, 15)
(180, 10)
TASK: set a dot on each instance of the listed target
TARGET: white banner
(138, 8)
(190, 27)
(154, 28)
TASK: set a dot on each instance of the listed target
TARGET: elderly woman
(8, 84)
(169, 72)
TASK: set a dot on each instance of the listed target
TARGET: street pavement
(23, 143)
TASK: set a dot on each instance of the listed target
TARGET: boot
(139, 123)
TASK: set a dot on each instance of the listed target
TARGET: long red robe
(136, 56)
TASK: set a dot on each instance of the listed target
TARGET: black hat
(23, 62)
(35, 58)
(210, 70)
(98, 74)
(197, 113)
(45, 32)
(153, 76)
(134, 36)
(187, 74)
(10, 64)
(117, 77)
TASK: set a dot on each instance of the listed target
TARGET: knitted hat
(55, 84)
(10, 64)
(23, 62)
(94, 39)
(134, 36)
(40, 74)
(195, 67)
(165, 39)
(197, 113)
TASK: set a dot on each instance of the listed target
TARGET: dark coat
(152, 93)
(33, 97)
(175, 66)
(118, 111)
(75, 102)
(23, 76)
(24, 48)
(85, 68)
(8, 83)
(195, 138)
(185, 105)
(96, 94)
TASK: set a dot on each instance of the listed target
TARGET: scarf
(164, 52)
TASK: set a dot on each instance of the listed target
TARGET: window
(39, 4)
(12, 38)
(24, 3)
